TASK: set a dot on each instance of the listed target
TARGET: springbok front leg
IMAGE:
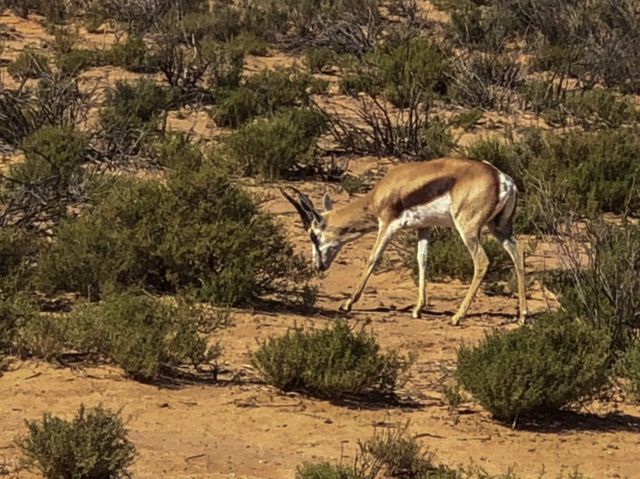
(471, 239)
(384, 236)
(423, 249)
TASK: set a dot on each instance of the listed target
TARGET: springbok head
(325, 242)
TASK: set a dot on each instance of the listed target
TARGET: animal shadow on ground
(572, 421)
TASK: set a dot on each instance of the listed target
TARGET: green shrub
(51, 151)
(264, 93)
(175, 150)
(18, 250)
(29, 64)
(397, 69)
(197, 233)
(73, 62)
(600, 281)
(142, 99)
(41, 336)
(251, 44)
(276, 146)
(437, 140)
(145, 336)
(631, 369)
(535, 369)
(319, 59)
(325, 470)
(13, 311)
(133, 111)
(485, 80)
(466, 119)
(132, 54)
(392, 454)
(92, 445)
(601, 107)
(333, 362)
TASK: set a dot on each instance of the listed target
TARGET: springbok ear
(327, 202)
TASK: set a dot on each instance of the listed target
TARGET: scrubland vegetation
(125, 242)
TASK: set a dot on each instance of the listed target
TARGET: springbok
(456, 193)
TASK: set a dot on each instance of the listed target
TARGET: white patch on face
(325, 254)
(434, 213)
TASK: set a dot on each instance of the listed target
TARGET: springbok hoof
(522, 318)
(455, 320)
(346, 306)
(416, 313)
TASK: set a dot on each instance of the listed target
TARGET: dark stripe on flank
(424, 194)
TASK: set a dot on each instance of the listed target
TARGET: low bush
(14, 310)
(535, 369)
(29, 64)
(40, 336)
(92, 445)
(318, 60)
(18, 250)
(197, 232)
(251, 44)
(437, 140)
(398, 69)
(195, 71)
(631, 369)
(132, 54)
(325, 470)
(264, 93)
(601, 107)
(600, 280)
(334, 362)
(133, 111)
(176, 151)
(277, 146)
(76, 60)
(466, 119)
(145, 336)
(391, 453)
(51, 152)
(485, 80)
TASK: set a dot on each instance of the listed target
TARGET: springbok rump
(456, 193)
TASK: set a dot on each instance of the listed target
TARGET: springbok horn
(305, 216)
(307, 204)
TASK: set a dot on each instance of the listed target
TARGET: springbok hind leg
(480, 266)
(514, 250)
(384, 236)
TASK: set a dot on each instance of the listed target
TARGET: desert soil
(240, 428)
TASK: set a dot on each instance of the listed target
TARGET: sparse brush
(277, 146)
(264, 93)
(92, 445)
(147, 337)
(197, 233)
(535, 369)
(29, 65)
(333, 363)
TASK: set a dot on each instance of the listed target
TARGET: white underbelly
(434, 213)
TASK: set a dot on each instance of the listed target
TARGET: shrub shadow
(572, 421)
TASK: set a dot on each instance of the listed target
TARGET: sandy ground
(240, 428)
